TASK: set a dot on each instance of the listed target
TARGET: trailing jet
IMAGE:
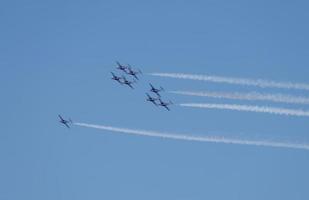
(155, 90)
(165, 104)
(121, 67)
(116, 78)
(65, 122)
(128, 83)
(133, 73)
(151, 99)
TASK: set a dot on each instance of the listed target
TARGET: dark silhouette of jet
(133, 73)
(116, 78)
(151, 99)
(65, 122)
(165, 104)
(121, 67)
(155, 90)
(128, 83)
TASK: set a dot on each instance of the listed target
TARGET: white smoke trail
(238, 81)
(248, 108)
(252, 96)
(188, 137)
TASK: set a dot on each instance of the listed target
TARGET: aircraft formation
(128, 77)
(126, 70)
(129, 71)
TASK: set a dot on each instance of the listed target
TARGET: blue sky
(56, 57)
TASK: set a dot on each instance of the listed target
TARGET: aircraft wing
(130, 86)
(135, 76)
(167, 108)
(60, 117)
(67, 125)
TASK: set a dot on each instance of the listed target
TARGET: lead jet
(65, 122)
(128, 83)
(151, 99)
(121, 67)
(155, 90)
(133, 73)
(165, 104)
(116, 78)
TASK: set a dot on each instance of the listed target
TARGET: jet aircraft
(128, 83)
(155, 90)
(151, 99)
(165, 104)
(65, 122)
(133, 73)
(121, 67)
(116, 78)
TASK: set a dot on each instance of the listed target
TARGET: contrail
(237, 81)
(248, 108)
(187, 137)
(252, 96)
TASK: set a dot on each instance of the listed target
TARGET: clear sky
(56, 57)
